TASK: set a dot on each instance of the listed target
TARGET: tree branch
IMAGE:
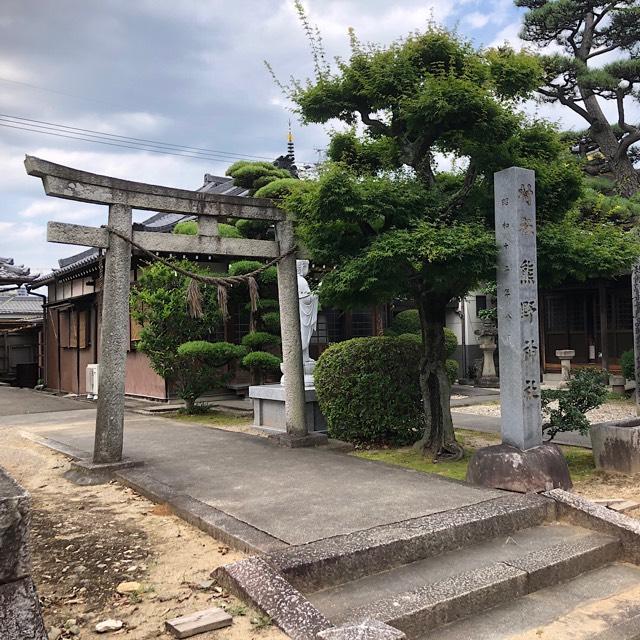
(377, 125)
(469, 180)
(567, 102)
(621, 121)
(626, 142)
(599, 52)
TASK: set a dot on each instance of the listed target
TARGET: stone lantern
(565, 356)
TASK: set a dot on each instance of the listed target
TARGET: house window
(361, 324)
(481, 304)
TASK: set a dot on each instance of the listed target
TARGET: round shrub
(369, 390)
(241, 267)
(228, 231)
(271, 321)
(261, 361)
(186, 228)
(628, 365)
(258, 340)
(215, 354)
(406, 322)
(450, 341)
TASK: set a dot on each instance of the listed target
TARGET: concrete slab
(599, 604)
(16, 401)
(294, 495)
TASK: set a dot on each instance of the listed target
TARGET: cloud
(477, 20)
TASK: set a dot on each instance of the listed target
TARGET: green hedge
(369, 390)
(408, 323)
(258, 340)
(261, 361)
(628, 365)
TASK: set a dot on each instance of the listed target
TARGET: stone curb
(225, 528)
(59, 447)
(15, 515)
(257, 582)
(586, 514)
(331, 561)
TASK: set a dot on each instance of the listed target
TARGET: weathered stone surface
(294, 441)
(517, 293)
(20, 616)
(557, 563)
(616, 445)
(15, 508)
(366, 630)
(503, 466)
(594, 516)
(86, 472)
(254, 580)
(436, 604)
(321, 564)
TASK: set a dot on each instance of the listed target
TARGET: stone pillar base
(489, 382)
(313, 439)
(502, 466)
(86, 472)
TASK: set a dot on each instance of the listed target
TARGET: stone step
(343, 559)
(603, 604)
(435, 591)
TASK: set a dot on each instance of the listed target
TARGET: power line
(43, 124)
(112, 144)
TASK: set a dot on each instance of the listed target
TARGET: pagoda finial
(290, 149)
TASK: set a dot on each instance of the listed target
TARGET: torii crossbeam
(121, 196)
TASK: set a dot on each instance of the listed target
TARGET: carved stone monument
(522, 462)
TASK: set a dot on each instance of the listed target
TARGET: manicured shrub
(260, 363)
(564, 409)
(228, 231)
(450, 341)
(199, 367)
(186, 228)
(628, 365)
(271, 321)
(408, 323)
(258, 340)
(369, 390)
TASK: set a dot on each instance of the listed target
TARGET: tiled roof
(11, 273)
(22, 306)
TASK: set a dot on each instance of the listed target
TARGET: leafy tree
(382, 215)
(565, 409)
(199, 368)
(586, 30)
(159, 306)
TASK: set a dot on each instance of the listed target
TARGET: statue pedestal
(268, 408)
(308, 366)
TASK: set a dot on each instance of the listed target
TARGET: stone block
(20, 615)
(293, 441)
(263, 587)
(86, 472)
(503, 466)
(616, 445)
(369, 629)
(268, 408)
(15, 513)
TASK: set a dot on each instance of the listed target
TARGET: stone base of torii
(121, 196)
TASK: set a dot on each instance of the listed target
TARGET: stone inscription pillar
(635, 291)
(517, 280)
(294, 393)
(114, 340)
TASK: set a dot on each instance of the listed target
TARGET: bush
(228, 231)
(408, 323)
(186, 228)
(258, 340)
(628, 365)
(260, 363)
(369, 390)
(271, 321)
(199, 368)
(585, 391)
(452, 370)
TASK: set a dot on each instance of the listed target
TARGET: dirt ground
(85, 541)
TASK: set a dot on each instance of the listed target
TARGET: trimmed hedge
(258, 340)
(628, 365)
(369, 390)
(261, 361)
(408, 323)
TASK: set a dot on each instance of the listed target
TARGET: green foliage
(242, 267)
(254, 175)
(406, 322)
(368, 390)
(186, 228)
(198, 367)
(258, 229)
(280, 188)
(628, 365)
(564, 409)
(452, 370)
(261, 362)
(271, 321)
(258, 340)
(228, 231)
(158, 305)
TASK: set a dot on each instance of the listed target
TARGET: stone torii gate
(121, 196)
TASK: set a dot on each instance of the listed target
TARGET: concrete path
(294, 495)
(14, 400)
(491, 424)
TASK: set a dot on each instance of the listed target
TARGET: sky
(186, 72)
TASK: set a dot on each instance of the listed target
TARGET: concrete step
(603, 604)
(343, 559)
(434, 591)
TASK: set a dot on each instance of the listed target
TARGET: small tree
(198, 368)
(159, 306)
(565, 409)
(586, 31)
(259, 361)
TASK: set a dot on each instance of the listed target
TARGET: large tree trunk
(626, 176)
(438, 440)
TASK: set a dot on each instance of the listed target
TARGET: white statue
(308, 303)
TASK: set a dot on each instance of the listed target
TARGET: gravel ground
(607, 412)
